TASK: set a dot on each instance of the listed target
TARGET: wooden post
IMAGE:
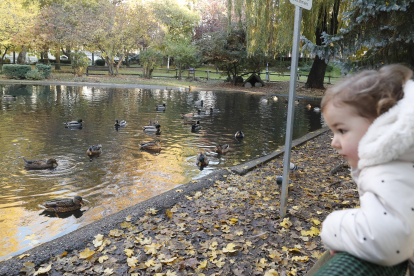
(208, 75)
(14, 57)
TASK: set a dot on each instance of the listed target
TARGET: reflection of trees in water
(16, 89)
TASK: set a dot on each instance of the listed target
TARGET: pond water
(32, 127)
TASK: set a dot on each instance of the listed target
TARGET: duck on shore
(37, 164)
(63, 205)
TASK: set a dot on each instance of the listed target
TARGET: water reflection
(33, 128)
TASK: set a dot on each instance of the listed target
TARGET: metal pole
(291, 110)
(267, 72)
(208, 75)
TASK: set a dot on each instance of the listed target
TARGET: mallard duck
(239, 134)
(152, 129)
(196, 126)
(188, 89)
(168, 88)
(120, 124)
(297, 102)
(199, 103)
(63, 205)
(160, 107)
(212, 111)
(77, 123)
(275, 98)
(94, 150)
(151, 146)
(152, 123)
(222, 148)
(9, 97)
(39, 164)
(201, 160)
(264, 101)
(317, 109)
(308, 106)
(187, 116)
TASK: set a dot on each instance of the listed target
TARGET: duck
(9, 97)
(202, 160)
(64, 204)
(212, 111)
(308, 106)
(94, 150)
(188, 89)
(39, 164)
(152, 123)
(152, 129)
(264, 101)
(317, 109)
(294, 167)
(120, 124)
(202, 112)
(186, 115)
(151, 146)
(297, 102)
(168, 88)
(199, 103)
(222, 148)
(274, 98)
(160, 107)
(196, 126)
(239, 134)
(77, 123)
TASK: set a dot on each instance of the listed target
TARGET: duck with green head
(94, 150)
(202, 160)
(77, 123)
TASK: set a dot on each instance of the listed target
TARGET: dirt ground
(232, 228)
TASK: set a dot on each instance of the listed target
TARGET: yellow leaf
(239, 233)
(178, 191)
(108, 271)
(98, 240)
(86, 254)
(22, 256)
(152, 211)
(129, 252)
(318, 212)
(170, 273)
(229, 248)
(220, 263)
(295, 207)
(300, 258)
(198, 194)
(150, 263)
(316, 222)
(103, 258)
(64, 254)
(132, 261)
(259, 194)
(271, 272)
(203, 264)
(284, 248)
(189, 197)
(125, 224)
(43, 270)
(233, 221)
(286, 223)
(169, 213)
(128, 218)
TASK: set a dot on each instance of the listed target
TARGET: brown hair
(370, 92)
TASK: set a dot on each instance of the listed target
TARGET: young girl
(371, 115)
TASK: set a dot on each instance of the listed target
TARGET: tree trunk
(21, 59)
(67, 53)
(317, 72)
(57, 63)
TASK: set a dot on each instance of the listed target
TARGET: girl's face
(348, 129)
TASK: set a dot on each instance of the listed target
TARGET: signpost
(299, 4)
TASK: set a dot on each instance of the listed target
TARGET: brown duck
(39, 164)
(63, 205)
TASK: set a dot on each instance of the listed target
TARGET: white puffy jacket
(382, 230)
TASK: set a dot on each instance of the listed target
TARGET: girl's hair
(370, 92)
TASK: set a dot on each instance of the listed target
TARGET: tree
(183, 52)
(14, 19)
(213, 17)
(376, 32)
(270, 27)
(150, 59)
(228, 51)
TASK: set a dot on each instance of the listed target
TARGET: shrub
(6, 60)
(79, 62)
(44, 69)
(16, 71)
(329, 68)
(100, 62)
(34, 75)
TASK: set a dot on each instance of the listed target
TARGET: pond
(32, 127)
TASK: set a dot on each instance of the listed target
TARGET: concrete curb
(79, 238)
(251, 165)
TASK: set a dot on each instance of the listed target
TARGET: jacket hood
(391, 135)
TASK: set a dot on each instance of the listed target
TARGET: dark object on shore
(39, 164)
(63, 205)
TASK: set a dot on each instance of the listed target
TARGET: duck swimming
(317, 109)
(63, 205)
(199, 103)
(196, 126)
(202, 160)
(152, 129)
(239, 134)
(222, 148)
(9, 97)
(39, 164)
(94, 150)
(77, 123)
(120, 124)
(151, 146)
(160, 107)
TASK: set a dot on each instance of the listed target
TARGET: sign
(306, 4)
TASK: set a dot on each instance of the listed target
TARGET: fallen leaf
(86, 254)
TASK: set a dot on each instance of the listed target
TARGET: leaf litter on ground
(232, 228)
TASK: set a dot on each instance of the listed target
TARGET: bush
(44, 69)
(6, 60)
(62, 61)
(329, 68)
(79, 62)
(100, 62)
(16, 71)
(34, 74)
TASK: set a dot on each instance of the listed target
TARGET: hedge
(16, 71)
(44, 69)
